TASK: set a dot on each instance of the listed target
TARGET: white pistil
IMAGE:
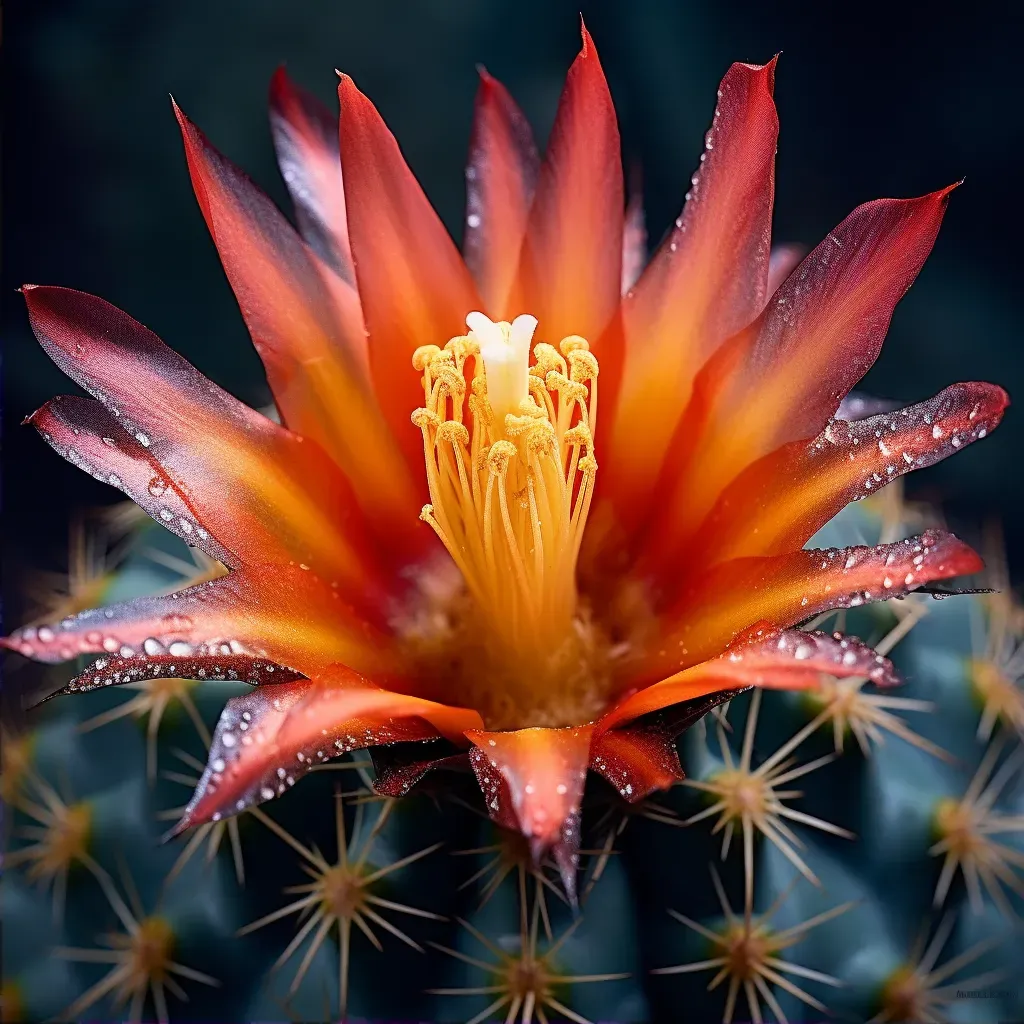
(505, 350)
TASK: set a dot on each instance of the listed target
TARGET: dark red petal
(308, 328)
(637, 760)
(782, 500)
(571, 270)
(265, 493)
(216, 661)
(208, 611)
(415, 289)
(306, 140)
(88, 436)
(501, 174)
(401, 768)
(707, 280)
(783, 378)
(786, 659)
(785, 589)
(294, 726)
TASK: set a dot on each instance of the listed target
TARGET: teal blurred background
(886, 100)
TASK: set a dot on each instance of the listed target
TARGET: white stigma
(505, 350)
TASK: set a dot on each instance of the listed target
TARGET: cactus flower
(449, 550)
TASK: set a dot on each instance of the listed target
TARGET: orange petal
(265, 493)
(544, 770)
(306, 140)
(415, 289)
(708, 279)
(782, 500)
(500, 178)
(307, 326)
(571, 270)
(783, 378)
(784, 659)
(267, 739)
(789, 588)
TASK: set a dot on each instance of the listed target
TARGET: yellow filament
(510, 495)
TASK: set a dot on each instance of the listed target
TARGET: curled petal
(636, 760)
(570, 274)
(400, 768)
(179, 660)
(707, 280)
(500, 178)
(782, 500)
(268, 739)
(265, 493)
(789, 588)
(783, 659)
(306, 140)
(91, 438)
(308, 328)
(414, 288)
(782, 378)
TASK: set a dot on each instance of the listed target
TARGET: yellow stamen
(509, 451)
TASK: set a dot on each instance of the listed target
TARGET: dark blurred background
(893, 100)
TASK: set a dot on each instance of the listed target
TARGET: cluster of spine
(848, 850)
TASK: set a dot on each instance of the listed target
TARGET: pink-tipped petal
(501, 174)
(784, 659)
(306, 141)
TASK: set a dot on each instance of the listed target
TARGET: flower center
(509, 450)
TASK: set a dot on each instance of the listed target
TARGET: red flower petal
(571, 270)
(785, 659)
(293, 726)
(283, 614)
(782, 500)
(783, 378)
(636, 760)
(789, 588)
(267, 494)
(415, 289)
(306, 140)
(87, 435)
(708, 279)
(500, 178)
(532, 780)
(218, 661)
(308, 329)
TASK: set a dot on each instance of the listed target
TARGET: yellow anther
(424, 418)
(583, 365)
(588, 465)
(453, 433)
(424, 356)
(574, 343)
(499, 456)
(547, 358)
(579, 436)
